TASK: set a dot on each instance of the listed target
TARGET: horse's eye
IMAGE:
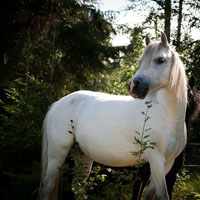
(160, 60)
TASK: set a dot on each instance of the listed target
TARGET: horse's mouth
(140, 95)
(138, 90)
(135, 96)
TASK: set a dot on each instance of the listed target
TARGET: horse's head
(154, 68)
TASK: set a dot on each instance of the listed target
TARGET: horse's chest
(171, 139)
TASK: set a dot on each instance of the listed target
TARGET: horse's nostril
(136, 84)
(146, 89)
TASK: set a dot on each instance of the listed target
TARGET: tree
(178, 37)
(167, 18)
(48, 49)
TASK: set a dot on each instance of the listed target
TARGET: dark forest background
(50, 48)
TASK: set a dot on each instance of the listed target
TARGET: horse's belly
(111, 151)
(106, 135)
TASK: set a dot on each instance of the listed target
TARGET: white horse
(105, 125)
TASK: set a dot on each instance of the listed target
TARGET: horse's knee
(48, 184)
(162, 197)
(47, 187)
(150, 193)
(149, 196)
(156, 191)
(161, 193)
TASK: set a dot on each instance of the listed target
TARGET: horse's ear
(164, 40)
(147, 39)
(191, 82)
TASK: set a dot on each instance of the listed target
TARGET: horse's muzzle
(138, 89)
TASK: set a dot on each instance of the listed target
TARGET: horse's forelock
(151, 50)
(177, 78)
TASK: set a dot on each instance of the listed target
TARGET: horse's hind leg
(144, 174)
(56, 154)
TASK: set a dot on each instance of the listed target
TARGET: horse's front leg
(171, 176)
(150, 193)
(157, 184)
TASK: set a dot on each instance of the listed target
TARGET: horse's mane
(177, 78)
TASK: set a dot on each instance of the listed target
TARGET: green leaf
(137, 141)
(148, 102)
(153, 143)
(137, 132)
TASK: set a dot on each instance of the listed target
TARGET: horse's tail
(44, 156)
(49, 184)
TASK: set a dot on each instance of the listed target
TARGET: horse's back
(77, 101)
(68, 109)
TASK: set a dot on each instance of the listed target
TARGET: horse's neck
(169, 103)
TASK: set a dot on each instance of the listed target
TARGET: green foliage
(115, 80)
(49, 49)
(143, 138)
(117, 186)
(187, 185)
(20, 137)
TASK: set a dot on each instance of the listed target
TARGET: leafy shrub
(20, 138)
(187, 186)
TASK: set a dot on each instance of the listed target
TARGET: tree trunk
(178, 36)
(167, 18)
